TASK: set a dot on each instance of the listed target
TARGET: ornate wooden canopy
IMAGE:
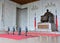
(23, 1)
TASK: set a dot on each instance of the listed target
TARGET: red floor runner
(16, 36)
(29, 35)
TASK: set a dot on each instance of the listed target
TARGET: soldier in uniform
(26, 31)
(19, 31)
(13, 30)
(8, 30)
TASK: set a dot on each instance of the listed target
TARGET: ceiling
(24, 1)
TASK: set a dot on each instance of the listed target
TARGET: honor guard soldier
(26, 31)
(19, 31)
(13, 30)
(8, 30)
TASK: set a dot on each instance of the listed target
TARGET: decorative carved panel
(43, 26)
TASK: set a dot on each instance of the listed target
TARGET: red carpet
(29, 35)
(16, 36)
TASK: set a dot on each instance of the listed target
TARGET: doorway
(21, 18)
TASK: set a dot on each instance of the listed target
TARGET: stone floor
(41, 39)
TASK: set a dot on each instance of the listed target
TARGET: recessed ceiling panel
(23, 1)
